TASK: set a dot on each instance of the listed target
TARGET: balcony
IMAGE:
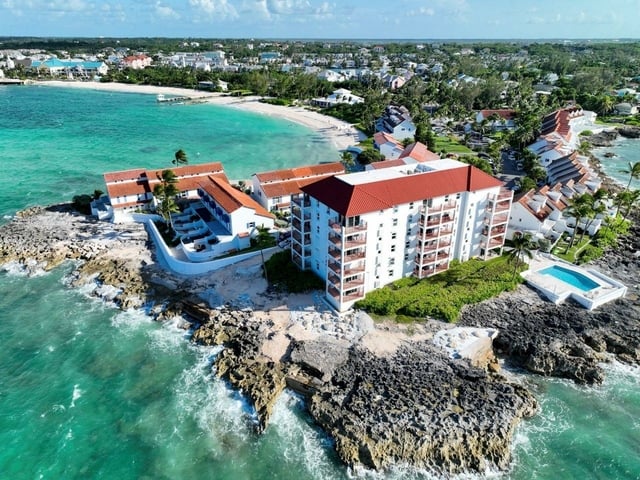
(354, 257)
(297, 236)
(432, 221)
(443, 207)
(345, 298)
(504, 195)
(341, 230)
(298, 225)
(297, 259)
(334, 279)
(300, 201)
(499, 219)
(494, 231)
(356, 282)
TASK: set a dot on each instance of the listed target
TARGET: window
(393, 248)
(394, 222)
(391, 273)
(317, 228)
(406, 257)
(394, 235)
(251, 224)
(395, 209)
(392, 261)
(407, 244)
(411, 205)
(317, 215)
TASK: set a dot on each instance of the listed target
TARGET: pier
(160, 98)
(11, 81)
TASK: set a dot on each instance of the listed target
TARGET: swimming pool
(573, 278)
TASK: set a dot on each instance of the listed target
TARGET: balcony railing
(354, 257)
(345, 298)
(443, 207)
(495, 231)
(337, 228)
(300, 201)
(297, 259)
(356, 282)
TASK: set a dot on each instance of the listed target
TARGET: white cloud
(217, 8)
(288, 7)
(164, 11)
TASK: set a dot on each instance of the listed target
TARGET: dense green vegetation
(443, 295)
(284, 275)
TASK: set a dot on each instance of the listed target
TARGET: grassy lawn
(570, 256)
(367, 143)
(443, 295)
(451, 145)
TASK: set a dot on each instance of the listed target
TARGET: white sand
(341, 134)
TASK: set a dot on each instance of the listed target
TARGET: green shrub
(589, 253)
(82, 203)
(586, 133)
(444, 295)
(284, 275)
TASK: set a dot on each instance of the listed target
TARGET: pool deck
(558, 291)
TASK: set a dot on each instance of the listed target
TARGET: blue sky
(485, 19)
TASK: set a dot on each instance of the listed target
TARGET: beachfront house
(362, 230)
(273, 189)
(342, 95)
(397, 122)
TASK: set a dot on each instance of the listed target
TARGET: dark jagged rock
(567, 340)
(241, 363)
(602, 139)
(629, 132)
(421, 408)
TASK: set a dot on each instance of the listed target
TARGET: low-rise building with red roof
(363, 230)
(273, 189)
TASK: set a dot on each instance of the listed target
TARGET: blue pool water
(573, 278)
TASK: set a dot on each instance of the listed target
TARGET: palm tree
(165, 193)
(579, 208)
(629, 199)
(596, 207)
(180, 158)
(634, 172)
(522, 246)
(347, 160)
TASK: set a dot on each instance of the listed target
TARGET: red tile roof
(504, 113)
(350, 200)
(380, 138)
(124, 175)
(229, 198)
(387, 163)
(300, 172)
(124, 189)
(419, 152)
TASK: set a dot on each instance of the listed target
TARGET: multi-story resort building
(362, 230)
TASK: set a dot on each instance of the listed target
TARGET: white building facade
(361, 231)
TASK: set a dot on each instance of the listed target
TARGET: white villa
(387, 145)
(362, 230)
(541, 212)
(397, 122)
(342, 95)
(273, 189)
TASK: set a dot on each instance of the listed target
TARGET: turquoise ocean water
(87, 391)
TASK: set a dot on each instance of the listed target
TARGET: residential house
(342, 95)
(273, 189)
(541, 213)
(362, 230)
(625, 109)
(396, 121)
(497, 120)
(137, 62)
(387, 145)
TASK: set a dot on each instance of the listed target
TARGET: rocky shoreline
(426, 395)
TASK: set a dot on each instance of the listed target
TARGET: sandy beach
(341, 134)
